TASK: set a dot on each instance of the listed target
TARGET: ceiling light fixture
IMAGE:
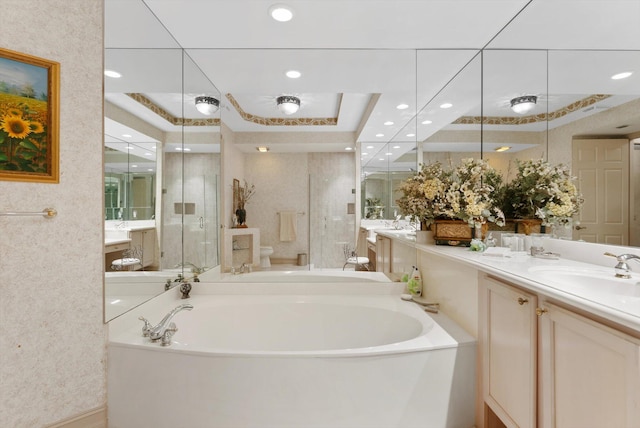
(262, 149)
(293, 74)
(348, 148)
(388, 123)
(281, 12)
(427, 122)
(207, 105)
(622, 75)
(379, 135)
(446, 105)
(523, 104)
(288, 104)
(503, 149)
(112, 73)
(402, 106)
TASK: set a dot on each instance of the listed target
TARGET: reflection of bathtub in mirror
(302, 276)
(126, 290)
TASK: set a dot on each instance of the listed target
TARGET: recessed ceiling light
(388, 123)
(427, 122)
(293, 74)
(154, 147)
(446, 105)
(503, 149)
(402, 106)
(411, 135)
(389, 154)
(262, 149)
(281, 12)
(623, 75)
(129, 148)
(150, 169)
(148, 154)
(112, 73)
(379, 135)
(348, 148)
(396, 147)
(364, 154)
(126, 135)
(134, 166)
(381, 159)
(369, 147)
(187, 149)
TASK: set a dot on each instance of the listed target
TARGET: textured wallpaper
(52, 336)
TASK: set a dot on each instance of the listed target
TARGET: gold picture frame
(29, 118)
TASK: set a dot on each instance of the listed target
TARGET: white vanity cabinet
(547, 366)
(383, 254)
(508, 327)
(144, 239)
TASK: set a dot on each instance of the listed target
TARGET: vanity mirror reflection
(162, 166)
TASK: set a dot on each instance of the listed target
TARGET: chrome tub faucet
(165, 329)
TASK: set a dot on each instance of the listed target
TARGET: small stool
(127, 263)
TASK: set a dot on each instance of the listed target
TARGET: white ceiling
(359, 61)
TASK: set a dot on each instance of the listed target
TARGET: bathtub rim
(121, 329)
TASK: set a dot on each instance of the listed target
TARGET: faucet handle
(165, 340)
(610, 254)
(146, 328)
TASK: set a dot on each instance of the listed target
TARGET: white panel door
(602, 168)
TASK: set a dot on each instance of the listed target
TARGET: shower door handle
(201, 222)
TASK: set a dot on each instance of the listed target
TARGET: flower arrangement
(423, 194)
(469, 194)
(462, 193)
(245, 194)
(543, 191)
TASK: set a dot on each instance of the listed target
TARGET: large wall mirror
(162, 174)
(348, 147)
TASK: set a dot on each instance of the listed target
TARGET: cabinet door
(383, 254)
(590, 373)
(509, 333)
(148, 247)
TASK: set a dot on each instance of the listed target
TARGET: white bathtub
(294, 360)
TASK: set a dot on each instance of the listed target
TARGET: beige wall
(52, 336)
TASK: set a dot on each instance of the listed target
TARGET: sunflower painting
(28, 118)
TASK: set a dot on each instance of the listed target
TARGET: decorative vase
(241, 214)
(456, 233)
(529, 225)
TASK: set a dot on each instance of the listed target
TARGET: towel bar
(46, 213)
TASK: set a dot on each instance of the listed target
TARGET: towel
(288, 225)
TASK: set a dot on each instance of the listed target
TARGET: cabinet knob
(540, 311)
(522, 301)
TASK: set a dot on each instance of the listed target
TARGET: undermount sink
(590, 280)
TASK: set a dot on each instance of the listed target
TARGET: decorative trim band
(278, 121)
(178, 121)
(523, 120)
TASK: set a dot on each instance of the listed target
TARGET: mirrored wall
(162, 175)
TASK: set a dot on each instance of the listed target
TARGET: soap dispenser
(414, 285)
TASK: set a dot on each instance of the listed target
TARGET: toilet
(265, 252)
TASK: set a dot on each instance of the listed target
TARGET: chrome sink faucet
(165, 328)
(622, 268)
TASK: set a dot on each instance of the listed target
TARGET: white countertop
(402, 235)
(537, 275)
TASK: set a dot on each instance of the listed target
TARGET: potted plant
(542, 192)
(244, 195)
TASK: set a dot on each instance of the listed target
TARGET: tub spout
(157, 332)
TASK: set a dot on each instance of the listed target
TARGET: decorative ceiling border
(178, 121)
(281, 121)
(523, 120)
